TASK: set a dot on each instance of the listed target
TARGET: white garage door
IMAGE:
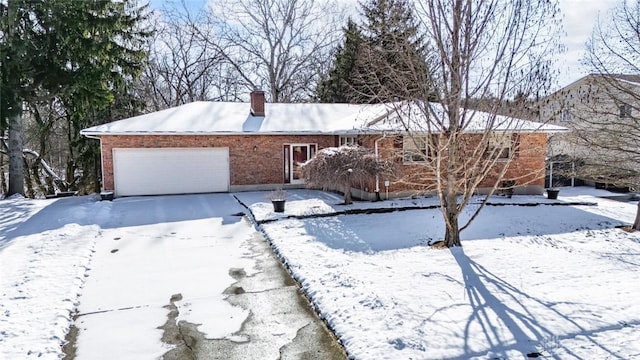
(170, 171)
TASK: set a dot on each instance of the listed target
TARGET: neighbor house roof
(593, 77)
(230, 118)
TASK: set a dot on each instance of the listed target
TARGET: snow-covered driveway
(154, 252)
(135, 253)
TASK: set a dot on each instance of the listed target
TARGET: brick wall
(265, 165)
(527, 168)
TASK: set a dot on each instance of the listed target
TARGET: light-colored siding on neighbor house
(579, 104)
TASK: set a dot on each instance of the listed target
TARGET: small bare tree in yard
(344, 166)
(499, 50)
(605, 121)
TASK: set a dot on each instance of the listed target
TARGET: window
(348, 140)
(625, 111)
(565, 115)
(500, 145)
(416, 149)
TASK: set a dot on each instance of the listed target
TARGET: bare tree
(346, 165)
(276, 45)
(182, 67)
(499, 50)
(605, 117)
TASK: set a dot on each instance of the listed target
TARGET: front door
(295, 156)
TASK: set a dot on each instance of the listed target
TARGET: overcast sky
(579, 18)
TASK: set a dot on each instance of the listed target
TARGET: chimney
(257, 103)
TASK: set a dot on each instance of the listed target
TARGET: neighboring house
(220, 146)
(588, 107)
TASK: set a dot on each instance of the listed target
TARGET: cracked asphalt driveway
(188, 277)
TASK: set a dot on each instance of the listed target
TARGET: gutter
(218, 133)
(90, 136)
(96, 135)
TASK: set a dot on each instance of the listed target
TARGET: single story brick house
(205, 147)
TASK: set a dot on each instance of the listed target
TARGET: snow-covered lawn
(557, 280)
(45, 249)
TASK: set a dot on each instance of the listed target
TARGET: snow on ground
(151, 249)
(45, 248)
(558, 280)
(131, 255)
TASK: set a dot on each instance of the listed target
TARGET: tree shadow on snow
(60, 212)
(400, 230)
(498, 306)
(128, 211)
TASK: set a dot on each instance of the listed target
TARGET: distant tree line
(67, 65)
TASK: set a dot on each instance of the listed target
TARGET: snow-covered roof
(228, 118)
(411, 117)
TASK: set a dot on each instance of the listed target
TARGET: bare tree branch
(495, 50)
(276, 45)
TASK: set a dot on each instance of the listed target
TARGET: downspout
(375, 149)
(101, 159)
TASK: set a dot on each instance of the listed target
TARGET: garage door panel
(170, 171)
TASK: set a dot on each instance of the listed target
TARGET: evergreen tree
(82, 53)
(388, 42)
(393, 47)
(338, 87)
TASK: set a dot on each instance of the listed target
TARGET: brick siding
(265, 165)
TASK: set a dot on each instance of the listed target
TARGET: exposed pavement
(272, 298)
(275, 301)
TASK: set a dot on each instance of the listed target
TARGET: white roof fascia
(222, 133)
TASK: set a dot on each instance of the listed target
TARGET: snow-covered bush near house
(555, 280)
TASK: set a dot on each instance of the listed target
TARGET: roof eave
(221, 133)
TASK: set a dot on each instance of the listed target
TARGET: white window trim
(501, 141)
(411, 147)
(348, 140)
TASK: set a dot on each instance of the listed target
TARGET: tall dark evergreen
(370, 64)
(80, 53)
(394, 52)
(338, 86)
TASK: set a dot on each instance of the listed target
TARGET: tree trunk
(16, 167)
(3, 186)
(452, 236)
(452, 233)
(28, 181)
(636, 222)
(97, 176)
